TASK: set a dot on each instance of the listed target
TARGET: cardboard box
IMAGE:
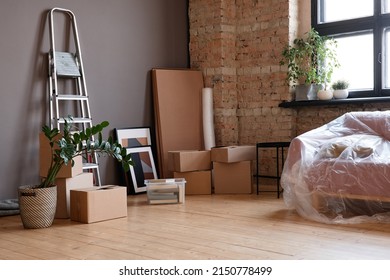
(64, 186)
(233, 153)
(232, 178)
(66, 171)
(198, 182)
(97, 204)
(163, 191)
(184, 161)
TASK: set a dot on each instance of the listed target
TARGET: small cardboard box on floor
(97, 204)
(198, 182)
(232, 178)
(64, 186)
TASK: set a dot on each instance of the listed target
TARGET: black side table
(279, 146)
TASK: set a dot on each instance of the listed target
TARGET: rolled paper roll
(208, 118)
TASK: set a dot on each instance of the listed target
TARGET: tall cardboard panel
(177, 96)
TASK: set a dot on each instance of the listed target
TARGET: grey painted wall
(121, 41)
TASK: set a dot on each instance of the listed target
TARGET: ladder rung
(76, 120)
(71, 97)
(88, 165)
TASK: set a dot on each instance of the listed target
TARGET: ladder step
(76, 120)
(66, 65)
(88, 165)
(71, 97)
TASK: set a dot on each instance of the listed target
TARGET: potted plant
(38, 202)
(340, 89)
(310, 62)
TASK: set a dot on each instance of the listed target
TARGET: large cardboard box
(97, 204)
(64, 186)
(66, 171)
(233, 153)
(232, 178)
(184, 161)
(198, 182)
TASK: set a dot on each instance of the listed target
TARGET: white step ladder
(66, 73)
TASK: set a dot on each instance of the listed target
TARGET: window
(362, 31)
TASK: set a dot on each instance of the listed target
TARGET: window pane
(336, 10)
(386, 59)
(385, 6)
(355, 54)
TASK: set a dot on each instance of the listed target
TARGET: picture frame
(144, 169)
(133, 139)
(134, 136)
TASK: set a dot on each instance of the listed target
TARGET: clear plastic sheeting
(340, 172)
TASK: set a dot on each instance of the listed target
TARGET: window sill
(333, 102)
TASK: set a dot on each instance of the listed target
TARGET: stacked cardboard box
(232, 169)
(69, 177)
(195, 167)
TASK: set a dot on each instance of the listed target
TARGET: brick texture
(237, 44)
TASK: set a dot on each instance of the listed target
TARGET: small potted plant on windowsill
(37, 203)
(340, 89)
(310, 64)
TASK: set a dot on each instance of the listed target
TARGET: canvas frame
(144, 168)
(136, 140)
(134, 136)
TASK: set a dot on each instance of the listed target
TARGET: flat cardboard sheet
(177, 98)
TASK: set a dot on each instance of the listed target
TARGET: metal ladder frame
(56, 119)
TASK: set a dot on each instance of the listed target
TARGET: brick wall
(237, 44)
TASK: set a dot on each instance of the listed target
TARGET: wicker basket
(37, 206)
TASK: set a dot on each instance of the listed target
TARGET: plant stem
(52, 174)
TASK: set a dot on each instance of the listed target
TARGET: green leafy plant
(70, 143)
(310, 60)
(340, 84)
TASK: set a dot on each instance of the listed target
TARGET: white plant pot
(340, 93)
(325, 94)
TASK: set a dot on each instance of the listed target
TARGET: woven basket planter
(37, 206)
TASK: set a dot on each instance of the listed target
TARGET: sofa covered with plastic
(340, 172)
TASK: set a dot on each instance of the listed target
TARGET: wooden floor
(205, 227)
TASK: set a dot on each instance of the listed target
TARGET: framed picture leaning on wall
(138, 142)
(143, 169)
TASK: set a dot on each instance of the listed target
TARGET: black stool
(278, 146)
